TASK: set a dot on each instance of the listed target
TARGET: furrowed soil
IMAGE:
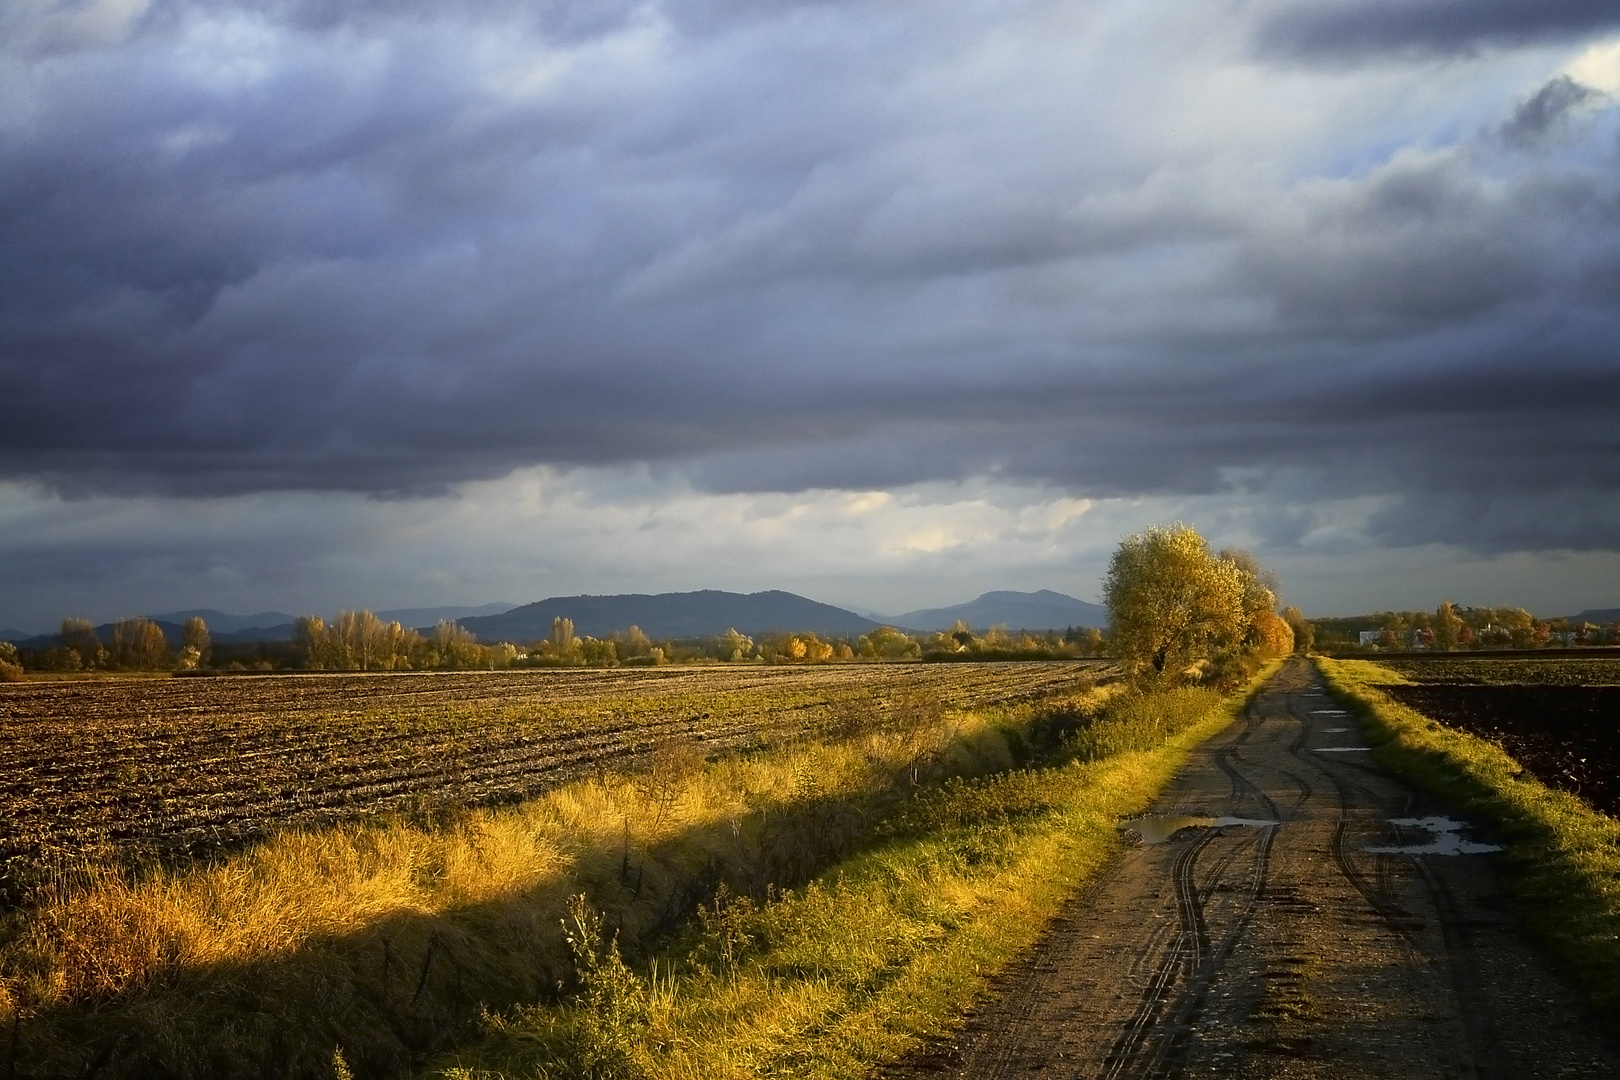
(1559, 718)
(1564, 736)
(1293, 949)
(144, 767)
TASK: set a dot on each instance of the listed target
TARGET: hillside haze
(1043, 610)
(671, 615)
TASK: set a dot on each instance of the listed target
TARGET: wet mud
(1364, 934)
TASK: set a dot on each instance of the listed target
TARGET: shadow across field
(406, 984)
(171, 769)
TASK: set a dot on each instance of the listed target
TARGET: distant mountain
(226, 629)
(427, 616)
(667, 615)
(1598, 615)
(221, 623)
(1043, 610)
(278, 625)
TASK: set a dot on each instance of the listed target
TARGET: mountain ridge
(700, 613)
(1040, 610)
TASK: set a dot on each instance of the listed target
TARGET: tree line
(1451, 627)
(1177, 611)
(135, 644)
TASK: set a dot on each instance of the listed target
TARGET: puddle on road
(1157, 828)
(1340, 749)
(1334, 730)
(1447, 833)
(1329, 712)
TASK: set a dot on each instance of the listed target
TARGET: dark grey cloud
(387, 248)
(1547, 110)
(1356, 28)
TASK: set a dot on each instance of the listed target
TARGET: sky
(384, 303)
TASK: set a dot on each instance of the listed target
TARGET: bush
(612, 1000)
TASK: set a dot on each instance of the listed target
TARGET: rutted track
(1283, 951)
(181, 765)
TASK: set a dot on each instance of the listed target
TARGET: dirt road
(1293, 949)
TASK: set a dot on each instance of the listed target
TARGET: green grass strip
(886, 950)
(1562, 858)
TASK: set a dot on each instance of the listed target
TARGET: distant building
(1371, 637)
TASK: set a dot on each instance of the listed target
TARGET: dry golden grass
(389, 938)
(885, 950)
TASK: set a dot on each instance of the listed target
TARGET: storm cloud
(390, 249)
(1371, 27)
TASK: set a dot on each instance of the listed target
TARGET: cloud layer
(1295, 253)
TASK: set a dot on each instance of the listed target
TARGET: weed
(612, 1003)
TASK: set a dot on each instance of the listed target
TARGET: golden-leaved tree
(1171, 601)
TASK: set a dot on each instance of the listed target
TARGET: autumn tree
(599, 652)
(735, 646)
(1304, 632)
(195, 643)
(1447, 626)
(887, 643)
(79, 646)
(139, 644)
(1170, 601)
(633, 643)
(315, 642)
(1260, 620)
(456, 646)
(10, 668)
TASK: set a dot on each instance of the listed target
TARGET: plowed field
(1558, 717)
(185, 765)
(1568, 737)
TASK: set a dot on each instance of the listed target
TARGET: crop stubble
(181, 766)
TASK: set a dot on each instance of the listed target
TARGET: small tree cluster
(137, 644)
(1176, 609)
(360, 641)
(960, 642)
(10, 667)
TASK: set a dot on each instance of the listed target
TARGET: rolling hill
(1043, 610)
(671, 615)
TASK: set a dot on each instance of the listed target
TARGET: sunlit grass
(858, 890)
(889, 947)
(388, 937)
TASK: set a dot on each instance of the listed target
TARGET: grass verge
(1562, 857)
(367, 950)
(388, 938)
(869, 959)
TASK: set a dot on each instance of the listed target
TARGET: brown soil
(1287, 951)
(1564, 735)
(176, 767)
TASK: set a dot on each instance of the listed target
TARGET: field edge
(1562, 858)
(900, 1007)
